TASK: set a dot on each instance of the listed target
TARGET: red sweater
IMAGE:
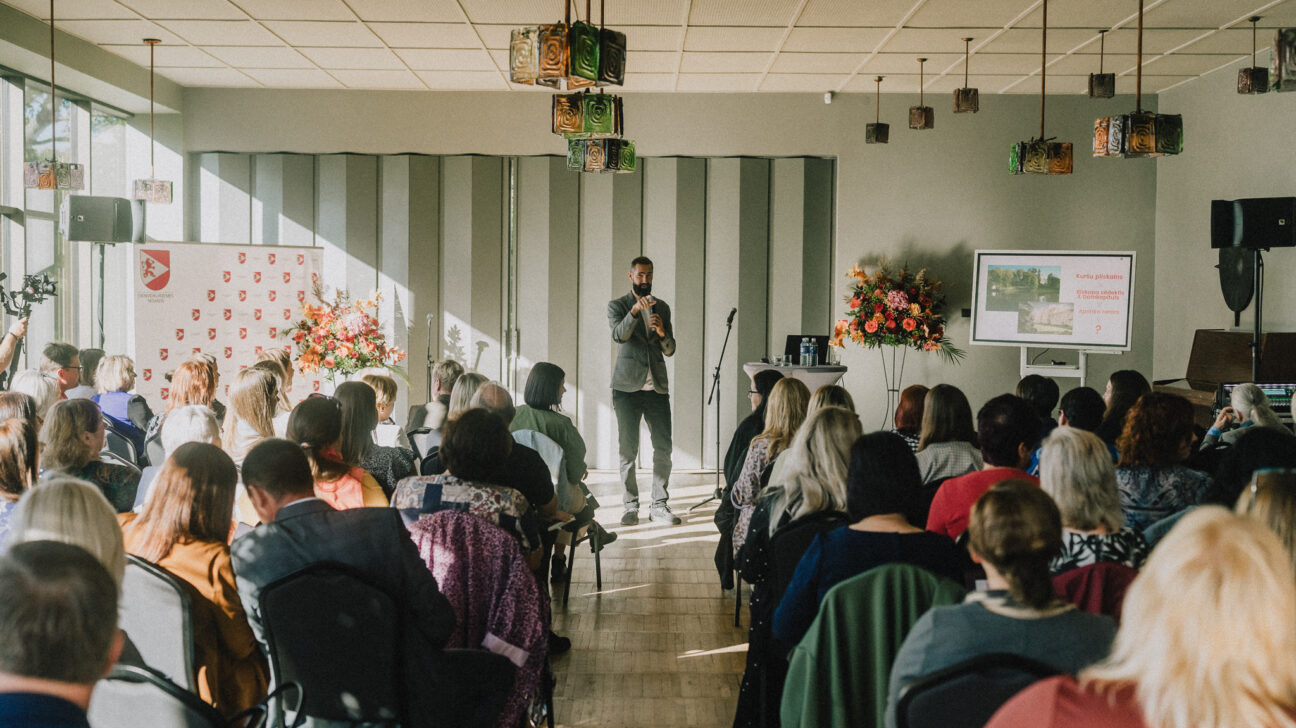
(1059, 702)
(953, 502)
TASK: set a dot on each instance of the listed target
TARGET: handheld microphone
(731, 315)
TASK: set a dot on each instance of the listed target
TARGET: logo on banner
(197, 350)
(242, 295)
(274, 331)
(148, 375)
(315, 278)
(225, 276)
(271, 258)
(179, 334)
(229, 352)
(287, 276)
(287, 314)
(315, 385)
(166, 392)
(228, 313)
(258, 350)
(155, 268)
(242, 258)
(242, 333)
(226, 390)
(256, 277)
(301, 259)
(162, 354)
(196, 314)
(301, 296)
(211, 294)
(211, 333)
(272, 294)
(256, 314)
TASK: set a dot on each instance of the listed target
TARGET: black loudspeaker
(1237, 277)
(1258, 222)
(105, 219)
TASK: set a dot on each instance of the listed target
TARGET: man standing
(641, 324)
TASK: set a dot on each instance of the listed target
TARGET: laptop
(792, 348)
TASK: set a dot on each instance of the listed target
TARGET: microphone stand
(429, 355)
(715, 395)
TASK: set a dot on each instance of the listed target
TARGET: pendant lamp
(1253, 80)
(1041, 155)
(52, 174)
(877, 132)
(154, 190)
(1282, 69)
(966, 100)
(1140, 133)
(568, 55)
(1102, 85)
(921, 117)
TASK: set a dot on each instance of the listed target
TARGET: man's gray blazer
(641, 350)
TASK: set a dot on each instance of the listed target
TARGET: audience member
(74, 512)
(58, 634)
(1078, 473)
(909, 414)
(830, 395)
(316, 425)
(814, 485)
(185, 529)
(1041, 393)
(881, 486)
(464, 389)
(129, 413)
(298, 530)
(18, 470)
(1206, 640)
(281, 359)
(17, 405)
(542, 413)
(786, 412)
(947, 442)
(1007, 430)
(1256, 449)
(63, 362)
(9, 342)
(1249, 407)
(190, 423)
(71, 441)
(212, 368)
(250, 416)
(1124, 388)
(1081, 408)
(384, 388)
(87, 388)
(433, 414)
(1157, 439)
(752, 425)
(1272, 499)
(1015, 532)
(192, 383)
(282, 407)
(41, 387)
(387, 465)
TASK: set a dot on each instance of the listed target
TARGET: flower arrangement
(341, 336)
(895, 308)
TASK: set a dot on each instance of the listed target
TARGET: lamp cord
(1044, 66)
(967, 55)
(53, 95)
(1138, 87)
(921, 63)
(152, 144)
(1102, 48)
(877, 114)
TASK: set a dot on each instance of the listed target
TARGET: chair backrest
(552, 453)
(1097, 588)
(134, 695)
(119, 443)
(922, 506)
(423, 440)
(965, 695)
(157, 613)
(789, 544)
(328, 628)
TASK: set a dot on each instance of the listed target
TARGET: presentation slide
(1063, 299)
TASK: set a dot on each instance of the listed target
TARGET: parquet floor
(657, 646)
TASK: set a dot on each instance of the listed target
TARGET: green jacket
(839, 672)
(559, 428)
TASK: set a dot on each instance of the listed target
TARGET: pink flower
(897, 299)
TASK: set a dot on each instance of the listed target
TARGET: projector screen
(1064, 299)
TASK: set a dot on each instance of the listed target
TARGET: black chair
(134, 695)
(119, 443)
(920, 509)
(332, 631)
(965, 695)
(592, 537)
(156, 611)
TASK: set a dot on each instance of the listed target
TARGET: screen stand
(1056, 370)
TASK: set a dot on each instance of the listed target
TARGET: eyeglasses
(752, 391)
(69, 367)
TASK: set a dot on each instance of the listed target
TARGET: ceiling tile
(225, 77)
(495, 36)
(1151, 84)
(907, 63)
(378, 79)
(367, 59)
(185, 9)
(733, 39)
(997, 63)
(741, 12)
(73, 9)
(324, 34)
(925, 41)
(1086, 64)
(167, 56)
(120, 32)
(426, 35)
(1090, 14)
(834, 40)
(292, 78)
(653, 61)
(724, 62)
(906, 83)
(728, 82)
(1283, 16)
(987, 84)
(802, 82)
(619, 14)
(963, 14)
(649, 82)
(873, 14)
(1198, 13)
(513, 12)
(841, 63)
(260, 56)
(467, 80)
(1187, 64)
(296, 9)
(1154, 41)
(654, 37)
(408, 11)
(423, 59)
(1229, 41)
(221, 32)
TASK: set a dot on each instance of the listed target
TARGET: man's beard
(641, 290)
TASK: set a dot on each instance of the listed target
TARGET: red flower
(890, 323)
(909, 324)
(870, 326)
(329, 362)
(877, 307)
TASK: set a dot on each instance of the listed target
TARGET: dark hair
(278, 467)
(18, 405)
(1256, 448)
(764, 382)
(543, 385)
(947, 417)
(359, 419)
(316, 424)
(883, 476)
(1003, 425)
(1083, 407)
(1127, 386)
(1156, 429)
(475, 444)
(18, 464)
(56, 352)
(1017, 528)
(58, 613)
(89, 359)
(640, 260)
(909, 411)
(1041, 393)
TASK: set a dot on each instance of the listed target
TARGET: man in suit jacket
(451, 687)
(641, 324)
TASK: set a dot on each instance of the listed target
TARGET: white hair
(41, 387)
(190, 423)
(1076, 471)
(1250, 403)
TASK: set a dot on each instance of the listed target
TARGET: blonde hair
(461, 396)
(42, 387)
(1207, 634)
(115, 373)
(1250, 402)
(1271, 499)
(281, 375)
(1076, 470)
(830, 395)
(62, 444)
(384, 388)
(190, 423)
(817, 462)
(784, 414)
(75, 512)
(252, 400)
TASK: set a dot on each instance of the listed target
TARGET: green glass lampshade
(612, 57)
(524, 55)
(553, 53)
(1016, 153)
(1169, 134)
(1037, 156)
(583, 56)
(1102, 85)
(922, 117)
(575, 155)
(1282, 69)
(568, 114)
(629, 158)
(967, 101)
(600, 116)
(878, 133)
(1253, 80)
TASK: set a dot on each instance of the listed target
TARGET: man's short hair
(447, 371)
(278, 467)
(475, 445)
(1084, 408)
(640, 260)
(56, 355)
(1041, 393)
(493, 397)
(1003, 424)
(58, 613)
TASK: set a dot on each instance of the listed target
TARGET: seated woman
(787, 410)
(185, 529)
(909, 414)
(283, 408)
(947, 445)
(1077, 471)
(71, 439)
(1123, 389)
(465, 386)
(814, 488)
(249, 419)
(192, 383)
(472, 446)
(316, 425)
(190, 423)
(881, 486)
(1157, 439)
(115, 378)
(18, 470)
(752, 425)
(1014, 532)
(1271, 499)
(41, 387)
(1249, 407)
(1215, 574)
(387, 465)
(74, 512)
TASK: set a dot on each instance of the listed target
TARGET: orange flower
(909, 324)
(870, 327)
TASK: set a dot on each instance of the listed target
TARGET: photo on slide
(1013, 285)
(1044, 317)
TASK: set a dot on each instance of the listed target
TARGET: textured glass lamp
(524, 55)
(1253, 80)
(1102, 85)
(920, 116)
(568, 114)
(966, 100)
(152, 190)
(1041, 155)
(553, 55)
(583, 57)
(1282, 69)
(629, 161)
(568, 55)
(877, 132)
(612, 56)
(53, 174)
(601, 115)
(1139, 133)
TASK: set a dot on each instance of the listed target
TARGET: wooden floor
(657, 646)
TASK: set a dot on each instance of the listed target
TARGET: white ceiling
(676, 45)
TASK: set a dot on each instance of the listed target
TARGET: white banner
(230, 301)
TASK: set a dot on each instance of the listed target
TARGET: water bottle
(805, 350)
(814, 353)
